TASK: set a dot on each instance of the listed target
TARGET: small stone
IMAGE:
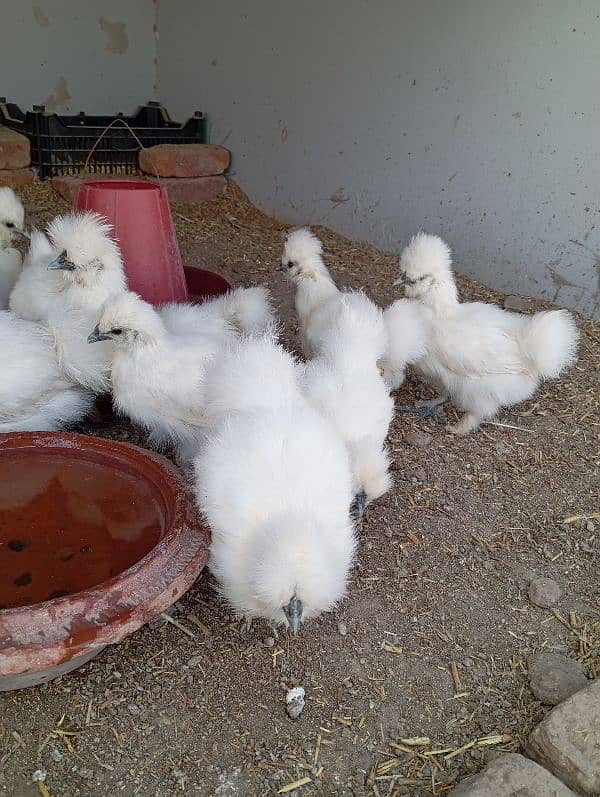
(512, 775)
(517, 303)
(39, 776)
(544, 592)
(419, 474)
(57, 755)
(342, 629)
(295, 700)
(590, 526)
(554, 678)
(419, 439)
(269, 641)
(567, 741)
(467, 662)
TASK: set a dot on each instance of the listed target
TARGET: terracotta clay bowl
(96, 539)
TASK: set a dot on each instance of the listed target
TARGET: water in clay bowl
(96, 539)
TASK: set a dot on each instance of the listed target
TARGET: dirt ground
(432, 640)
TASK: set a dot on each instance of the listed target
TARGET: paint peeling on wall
(41, 17)
(117, 40)
(59, 97)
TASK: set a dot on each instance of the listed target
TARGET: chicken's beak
(280, 267)
(402, 279)
(293, 613)
(96, 336)
(61, 262)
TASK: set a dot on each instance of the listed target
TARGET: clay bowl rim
(117, 606)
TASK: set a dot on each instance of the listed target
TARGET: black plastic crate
(61, 144)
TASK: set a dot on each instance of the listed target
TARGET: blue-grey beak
(280, 267)
(61, 262)
(96, 336)
(402, 279)
(293, 613)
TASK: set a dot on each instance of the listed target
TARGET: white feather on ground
(275, 487)
(12, 218)
(247, 311)
(157, 376)
(35, 394)
(344, 383)
(482, 357)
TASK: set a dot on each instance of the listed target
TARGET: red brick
(184, 160)
(194, 189)
(179, 189)
(17, 177)
(15, 150)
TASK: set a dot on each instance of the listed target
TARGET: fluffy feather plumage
(12, 218)
(406, 327)
(37, 287)
(344, 383)
(483, 357)
(35, 394)
(157, 376)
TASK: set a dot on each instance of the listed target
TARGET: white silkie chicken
(479, 356)
(344, 383)
(36, 289)
(157, 376)
(406, 329)
(274, 483)
(35, 394)
(12, 219)
(248, 311)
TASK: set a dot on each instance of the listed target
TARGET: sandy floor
(432, 640)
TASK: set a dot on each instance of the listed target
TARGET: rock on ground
(544, 592)
(419, 439)
(554, 678)
(15, 178)
(517, 303)
(512, 775)
(567, 741)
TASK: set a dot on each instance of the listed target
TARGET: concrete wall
(71, 55)
(476, 119)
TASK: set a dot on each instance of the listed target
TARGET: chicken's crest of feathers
(426, 267)
(302, 256)
(128, 319)
(86, 239)
(11, 213)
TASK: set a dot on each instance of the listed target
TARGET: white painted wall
(71, 55)
(476, 119)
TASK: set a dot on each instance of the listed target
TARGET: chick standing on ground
(35, 393)
(157, 377)
(344, 383)
(12, 219)
(481, 357)
(275, 485)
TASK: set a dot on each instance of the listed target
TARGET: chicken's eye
(290, 264)
(117, 331)
(10, 225)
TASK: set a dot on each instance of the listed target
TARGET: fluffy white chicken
(317, 296)
(406, 328)
(248, 311)
(481, 357)
(157, 376)
(36, 289)
(275, 485)
(35, 394)
(12, 219)
(344, 383)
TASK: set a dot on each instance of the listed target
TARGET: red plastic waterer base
(140, 214)
(203, 285)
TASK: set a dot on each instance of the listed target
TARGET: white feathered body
(37, 288)
(407, 325)
(483, 357)
(275, 487)
(35, 394)
(345, 384)
(10, 268)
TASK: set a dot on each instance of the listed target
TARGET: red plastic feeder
(140, 214)
(204, 284)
